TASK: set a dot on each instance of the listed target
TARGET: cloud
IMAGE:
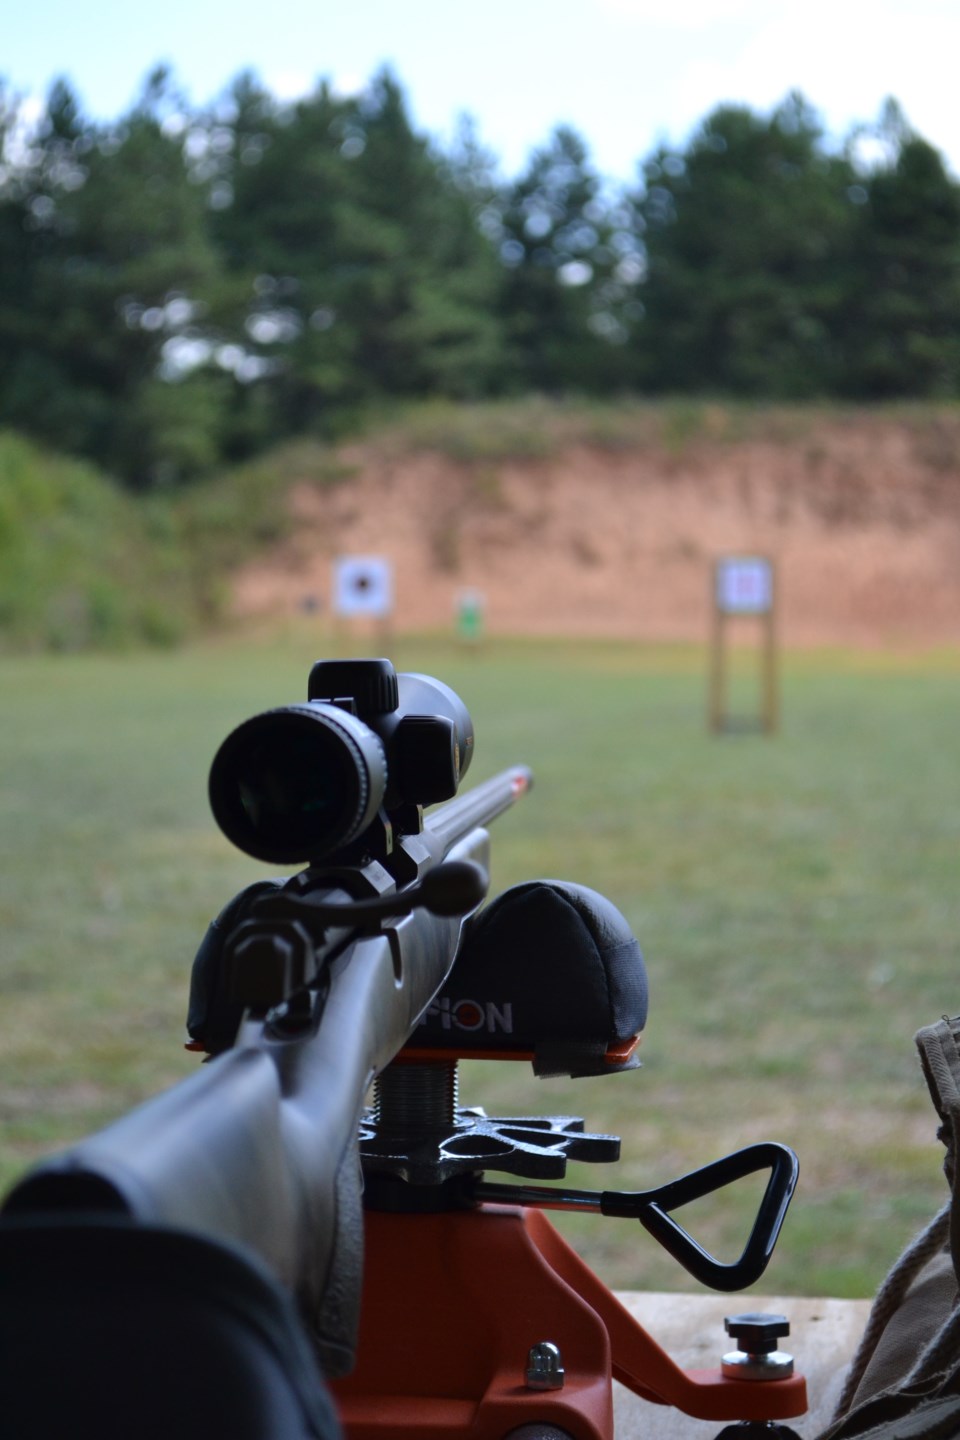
(846, 60)
(682, 14)
(288, 84)
(347, 85)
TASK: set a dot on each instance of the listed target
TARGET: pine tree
(361, 268)
(748, 238)
(114, 257)
(571, 268)
(902, 334)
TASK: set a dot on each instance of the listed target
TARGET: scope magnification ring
(296, 784)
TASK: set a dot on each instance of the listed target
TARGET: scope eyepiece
(297, 783)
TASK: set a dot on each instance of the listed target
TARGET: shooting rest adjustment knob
(758, 1356)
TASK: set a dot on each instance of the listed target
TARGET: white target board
(363, 585)
(744, 585)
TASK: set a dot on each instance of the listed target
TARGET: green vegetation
(182, 290)
(84, 565)
(534, 427)
(796, 899)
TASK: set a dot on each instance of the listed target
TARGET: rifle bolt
(545, 1367)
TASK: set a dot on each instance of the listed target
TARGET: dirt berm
(860, 512)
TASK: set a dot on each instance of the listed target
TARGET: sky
(627, 74)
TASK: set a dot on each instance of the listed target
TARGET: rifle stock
(259, 1148)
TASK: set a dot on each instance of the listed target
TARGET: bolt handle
(755, 1332)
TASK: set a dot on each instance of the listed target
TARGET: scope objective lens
(295, 784)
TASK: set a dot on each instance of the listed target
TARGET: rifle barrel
(455, 819)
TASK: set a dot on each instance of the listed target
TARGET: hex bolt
(545, 1367)
(758, 1357)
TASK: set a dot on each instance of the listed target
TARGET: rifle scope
(300, 783)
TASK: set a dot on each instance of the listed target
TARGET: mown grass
(796, 898)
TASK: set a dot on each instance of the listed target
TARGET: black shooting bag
(547, 967)
(148, 1333)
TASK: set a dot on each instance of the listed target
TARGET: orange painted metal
(617, 1053)
(453, 1303)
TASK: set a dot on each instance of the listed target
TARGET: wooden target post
(744, 585)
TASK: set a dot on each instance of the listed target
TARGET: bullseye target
(363, 585)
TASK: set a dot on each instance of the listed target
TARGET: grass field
(796, 897)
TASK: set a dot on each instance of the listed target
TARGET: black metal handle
(652, 1207)
(454, 887)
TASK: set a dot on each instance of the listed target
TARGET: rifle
(198, 1268)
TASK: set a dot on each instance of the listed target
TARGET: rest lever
(652, 1207)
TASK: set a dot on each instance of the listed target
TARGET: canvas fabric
(904, 1381)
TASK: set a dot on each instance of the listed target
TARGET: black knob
(756, 1333)
(371, 684)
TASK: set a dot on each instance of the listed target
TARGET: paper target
(363, 585)
(744, 586)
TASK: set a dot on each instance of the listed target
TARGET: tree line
(184, 287)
